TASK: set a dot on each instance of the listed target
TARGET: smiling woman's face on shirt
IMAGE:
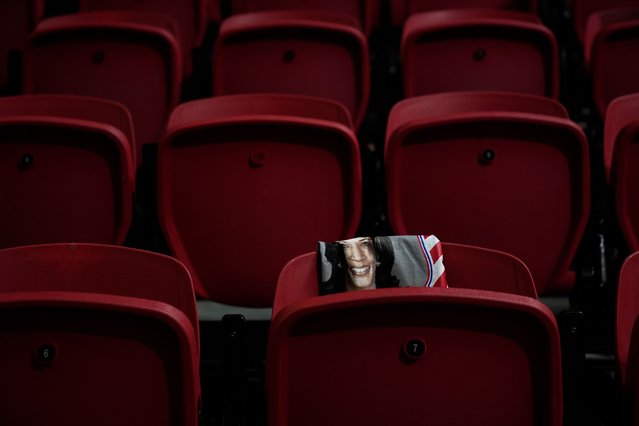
(360, 258)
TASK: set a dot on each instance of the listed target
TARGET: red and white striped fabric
(434, 256)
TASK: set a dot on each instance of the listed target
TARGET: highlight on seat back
(466, 267)
(366, 263)
(394, 355)
(97, 335)
(247, 182)
(514, 178)
(365, 13)
(621, 133)
(298, 52)
(130, 57)
(400, 10)
(190, 18)
(68, 174)
(478, 49)
(610, 52)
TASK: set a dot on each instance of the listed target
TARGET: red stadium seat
(365, 12)
(620, 158)
(297, 52)
(499, 170)
(478, 49)
(610, 49)
(247, 182)
(410, 355)
(68, 174)
(582, 9)
(190, 18)
(17, 20)
(626, 335)
(400, 10)
(129, 57)
(97, 335)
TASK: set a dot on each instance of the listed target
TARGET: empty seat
(190, 17)
(130, 57)
(610, 49)
(402, 9)
(97, 335)
(17, 20)
(297, 52)
(626, 336)
(405, 355)
(499, 170)
(582, 9)
(247, 182)
(67, 170)
(366, 12)
(621, 137)
(478, 49)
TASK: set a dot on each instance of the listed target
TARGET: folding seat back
(67, 170)
(582, 9)
(190, 18)
(96, 335)
(514, 177)
(366, 12)
(247, 182)
(610, 48)
(484, 269)
(297, 52)
(129, 57)
(478, 49)
(621, 151)
(410, 355)
(402, 9)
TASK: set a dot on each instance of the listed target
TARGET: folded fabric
(377, 262)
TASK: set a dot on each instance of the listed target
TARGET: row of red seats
(134, 58)
(138, 340)
(195, 250)
(102, 334)
(140, 59)
(138, 311)
(191, 17)
(238, 173)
